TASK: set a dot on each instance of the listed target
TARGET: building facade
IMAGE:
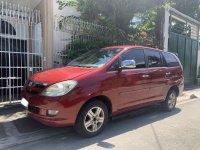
(37, 35)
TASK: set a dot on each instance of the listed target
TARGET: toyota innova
(102, 84)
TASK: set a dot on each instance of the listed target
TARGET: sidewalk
(16, 127)
(190, 92)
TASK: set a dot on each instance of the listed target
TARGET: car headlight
(60, 89)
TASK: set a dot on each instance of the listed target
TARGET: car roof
(133, 46)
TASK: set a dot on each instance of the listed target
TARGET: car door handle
(145, 76)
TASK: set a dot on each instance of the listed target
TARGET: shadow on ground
(2, 132)
(9, 111)
(123, 124)
(27, 125)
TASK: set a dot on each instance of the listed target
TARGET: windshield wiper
(83, 66)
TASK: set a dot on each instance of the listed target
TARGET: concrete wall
(61, 38)
(52, 39)
(166, 30)
(46, 8)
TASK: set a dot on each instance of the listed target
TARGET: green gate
(187, 50)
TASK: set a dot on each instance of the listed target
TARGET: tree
(143, 28)
(118, 15)
(115, 14)
(188, 7)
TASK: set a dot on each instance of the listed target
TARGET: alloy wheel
(94, 119)
(172, 100)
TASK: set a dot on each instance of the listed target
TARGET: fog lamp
(53, 112)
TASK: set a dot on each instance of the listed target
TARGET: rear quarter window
(171, 60)
(154, 58)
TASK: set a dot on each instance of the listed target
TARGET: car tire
(170, 101)
(92, 119)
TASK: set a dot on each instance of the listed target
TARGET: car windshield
(95, 58)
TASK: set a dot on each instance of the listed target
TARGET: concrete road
(155, 130)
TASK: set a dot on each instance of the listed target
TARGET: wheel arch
(175, 88)
(101, 98)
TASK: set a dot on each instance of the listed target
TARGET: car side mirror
(128, 64)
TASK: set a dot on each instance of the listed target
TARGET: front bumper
(40, 114)
(50, 121)
(38, 107)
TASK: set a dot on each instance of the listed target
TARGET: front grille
(34, 87)
(34, 109)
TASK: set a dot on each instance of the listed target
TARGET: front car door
(134, 89)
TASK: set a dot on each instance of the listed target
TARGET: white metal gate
(20, 49)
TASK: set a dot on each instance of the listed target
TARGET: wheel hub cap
(172, 100)
(94, 119)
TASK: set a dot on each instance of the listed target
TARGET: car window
(163, 60)
(137, 55)
(95, 58)
(171, 60)
(114, 66)
(153, 59)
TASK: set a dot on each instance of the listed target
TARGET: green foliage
(67, 3)
(188, 7)
(143, 30)
(81, 47)
(118, 15)
(115, 14)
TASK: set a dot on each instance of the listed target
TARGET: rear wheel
(170, 101)
(92, 119)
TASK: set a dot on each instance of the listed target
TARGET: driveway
(148, 128)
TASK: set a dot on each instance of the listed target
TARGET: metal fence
(184, 40)
(72, 34)
(185, 27)
(20, 49)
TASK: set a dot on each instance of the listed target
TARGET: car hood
(60, 74)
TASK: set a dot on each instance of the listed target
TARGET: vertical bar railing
(73, 30)
(20, 56)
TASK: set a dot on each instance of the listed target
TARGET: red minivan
(101, 84)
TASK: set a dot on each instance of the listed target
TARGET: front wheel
(170, 101)
(92, 119)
